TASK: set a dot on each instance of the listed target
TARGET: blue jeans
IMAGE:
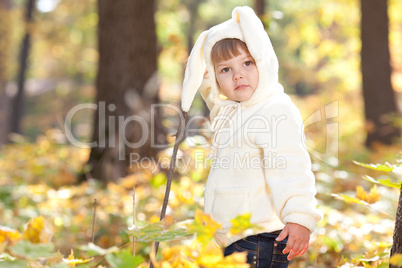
(263, 251)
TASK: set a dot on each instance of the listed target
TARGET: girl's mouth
(241, 87)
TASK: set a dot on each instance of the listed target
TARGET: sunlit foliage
(46, 217)
(47, 221)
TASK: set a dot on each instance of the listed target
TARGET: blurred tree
(397, 243)
(17, 108)
(259, 7)
(379, 97)
(126, 87)
(193, 6)
(5, 34)
(193, 14)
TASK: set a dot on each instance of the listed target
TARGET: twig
(179, 137)
(104, 256)
(93, 222)
(133, 219)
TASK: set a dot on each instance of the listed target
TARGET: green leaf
(349, 199)
(242, 223)
(389, 183)
(124, 259)
(333, 244)
(61, 265)
(370, 179)
(14, 264)
(383, 265)
(158, 180)
(386, 182)
(94, 250)
(6, 257)
(379, 167)
(29, 250)
(368, 260)
(196, 176)
(155, 232)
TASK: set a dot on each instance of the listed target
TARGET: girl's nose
(237, 76)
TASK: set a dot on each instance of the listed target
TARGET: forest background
(50, 182)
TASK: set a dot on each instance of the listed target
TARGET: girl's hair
(226, 49)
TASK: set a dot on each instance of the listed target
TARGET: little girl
(260, 164)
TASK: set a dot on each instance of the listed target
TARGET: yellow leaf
(235, 260)
(169, 253)
(154, 219)
(206, 220)
(361, 193)
(239, 257)
(204, 226)
(166, 265)
(174, 257)
(58, 257)
(38, 230)
(210, 256)
(70, 257)
(396, 260)
(71, 261)
(242, 223)
(8, 236)
(371, 197)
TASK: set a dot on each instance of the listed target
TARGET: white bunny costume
(261, 165)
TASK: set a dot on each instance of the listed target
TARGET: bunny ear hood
(247, 27)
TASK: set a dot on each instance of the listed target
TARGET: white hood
(247, 27)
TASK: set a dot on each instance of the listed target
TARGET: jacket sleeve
(287, 164)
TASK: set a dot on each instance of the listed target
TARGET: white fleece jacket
(260, 163)
(262, 167)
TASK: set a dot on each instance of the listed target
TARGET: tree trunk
(193, 10)
(397, 244)
(5, 33)
(259, 7)
(126, 87)
(379, 98)
(18, 101)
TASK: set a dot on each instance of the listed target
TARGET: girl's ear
(253, 31)
(194, 72)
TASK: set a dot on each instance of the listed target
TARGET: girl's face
(237, 77)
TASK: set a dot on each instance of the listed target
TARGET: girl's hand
(298, 241)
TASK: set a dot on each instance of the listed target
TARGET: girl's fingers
(304, 249)
(289, 246)
(282, 234)
(295, 250)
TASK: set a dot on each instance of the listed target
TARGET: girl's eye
(225, 70)
(248, 63)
